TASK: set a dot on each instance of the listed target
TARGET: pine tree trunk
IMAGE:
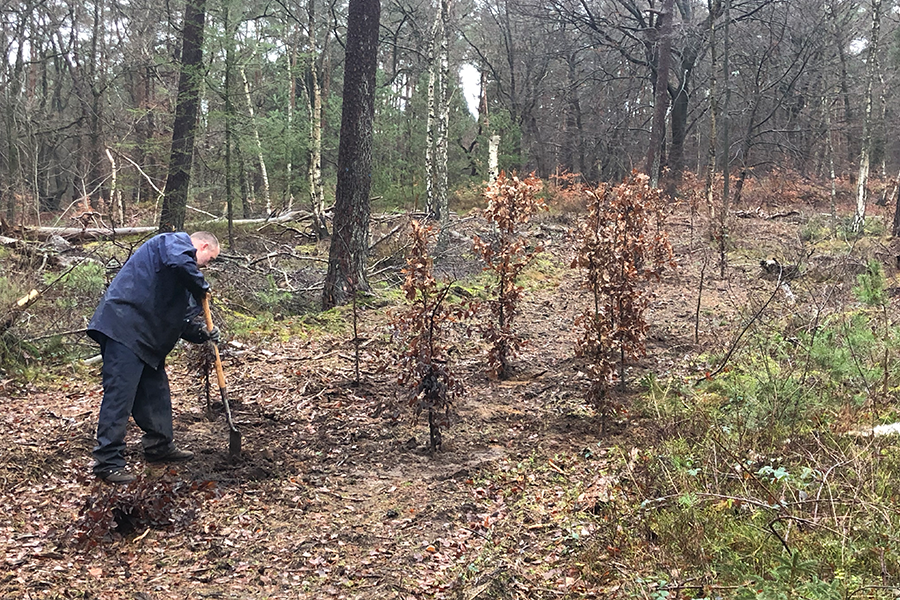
(350, 239)
(186, 108)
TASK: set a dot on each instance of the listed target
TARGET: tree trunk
(116, 210)
(895, 197)
(441, 201)
(849, 141)
(259, 152)
(288, 147)
(431, 119)
(96, 87)
(314, 105)
(12, 91)
(865, 151)
(746, 147)
(713, 115)
(661, 91)
(726, 155)
(679, 121)
(244, 185)
(229, 120)
(350, 239)
(493, 158)
(829, 150)
(175, 196)
(574, 141)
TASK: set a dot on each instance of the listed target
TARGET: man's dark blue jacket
(148, 305)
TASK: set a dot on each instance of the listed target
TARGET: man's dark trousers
(131, 388)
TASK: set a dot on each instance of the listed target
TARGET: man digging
(149, 305)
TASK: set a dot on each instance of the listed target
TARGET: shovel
(234, 436)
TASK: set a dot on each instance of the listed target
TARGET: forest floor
(335, 494)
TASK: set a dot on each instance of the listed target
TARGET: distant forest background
(590, 87)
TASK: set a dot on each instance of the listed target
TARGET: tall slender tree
(866, 150)
(661, 93)
(187, 106)
(350, 238)
(314, 109)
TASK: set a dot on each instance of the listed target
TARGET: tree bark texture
(186, 108)
(713, 115)
(661, 102)
(314, 106)
(441, 200)
(434, 86)
(350, 238)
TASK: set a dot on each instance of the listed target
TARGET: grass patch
(750, 485)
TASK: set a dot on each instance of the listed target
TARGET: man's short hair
(205, 236)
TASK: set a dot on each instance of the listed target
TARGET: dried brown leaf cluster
(511, 202)
(424, 358)
(622, 246)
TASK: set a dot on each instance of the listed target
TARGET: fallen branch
(31, 297)
(21, 304)
(95, 233)
(389, 234)
(271, 255)
(59, 334)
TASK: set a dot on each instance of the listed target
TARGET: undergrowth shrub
(80, 288)
(565, 193)
(424, 358)
(10, 291)
(621, 247)
(841, 369)
(511, 202)
(763, 482)
(272, 298)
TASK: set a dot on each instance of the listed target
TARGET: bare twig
(734, 344)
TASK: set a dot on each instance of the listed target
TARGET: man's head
(207, 247)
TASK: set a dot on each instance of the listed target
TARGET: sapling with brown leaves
(511, 202)
(423, 361)
(622, 247)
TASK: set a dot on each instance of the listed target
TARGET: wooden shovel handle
(220, 374)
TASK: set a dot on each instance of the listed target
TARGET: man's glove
(196, 333)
